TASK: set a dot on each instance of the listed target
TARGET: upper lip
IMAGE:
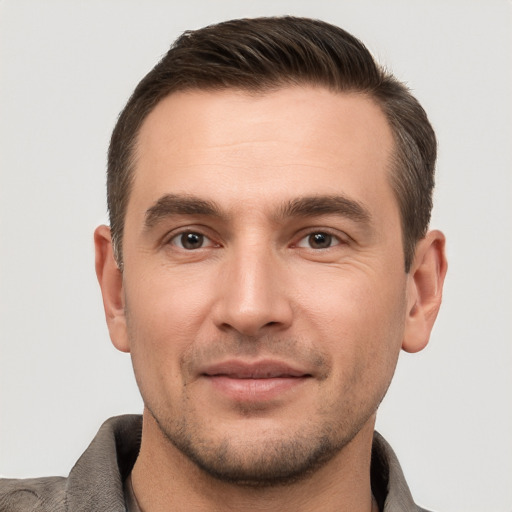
(266, 369)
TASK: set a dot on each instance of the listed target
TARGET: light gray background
(67, 68)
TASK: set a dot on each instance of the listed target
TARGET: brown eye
(319, 240)
(190, 241)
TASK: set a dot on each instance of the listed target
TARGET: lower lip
(252, 390)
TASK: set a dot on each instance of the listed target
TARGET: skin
(264, 339)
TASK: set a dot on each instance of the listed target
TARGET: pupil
(320, 240)
(191, 240)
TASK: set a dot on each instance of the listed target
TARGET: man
(269, 190)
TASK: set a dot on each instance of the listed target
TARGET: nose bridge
(252, 295)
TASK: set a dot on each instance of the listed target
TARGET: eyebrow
(178, 204)
(309, 206)
(326, 205)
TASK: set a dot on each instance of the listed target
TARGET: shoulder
(32, 494)
(95, 482)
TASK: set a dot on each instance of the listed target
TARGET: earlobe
(110, 280)
(424, 290)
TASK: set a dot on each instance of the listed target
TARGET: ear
(110, 279)
(424, 290)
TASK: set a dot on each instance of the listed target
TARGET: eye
(318, 240)
(190, 241)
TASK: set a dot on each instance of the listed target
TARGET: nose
(252, 296)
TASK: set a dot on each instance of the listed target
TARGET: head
(264, 54)
(268, 181)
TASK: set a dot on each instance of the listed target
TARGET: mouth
(254, 382)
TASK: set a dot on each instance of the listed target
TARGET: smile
(252, 382)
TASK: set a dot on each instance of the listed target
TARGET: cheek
(165, 314)
(359, 319)
(169, 299)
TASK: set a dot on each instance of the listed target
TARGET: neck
(164, 479)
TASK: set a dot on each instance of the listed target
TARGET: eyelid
(341, 238)
(207, 242)
(175, 234)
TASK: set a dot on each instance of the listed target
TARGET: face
(263, 290)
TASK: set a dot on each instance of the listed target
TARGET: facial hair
(273, 457)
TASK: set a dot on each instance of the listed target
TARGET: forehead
(235, 146)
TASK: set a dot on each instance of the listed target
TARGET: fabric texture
(95, 484)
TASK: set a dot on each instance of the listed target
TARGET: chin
(251, 459)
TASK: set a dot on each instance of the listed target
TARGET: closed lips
(262, 370)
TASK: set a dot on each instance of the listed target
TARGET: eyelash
(319, 236)
(331, 239)
(179, 237)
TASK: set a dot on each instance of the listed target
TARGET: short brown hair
(262, 54)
